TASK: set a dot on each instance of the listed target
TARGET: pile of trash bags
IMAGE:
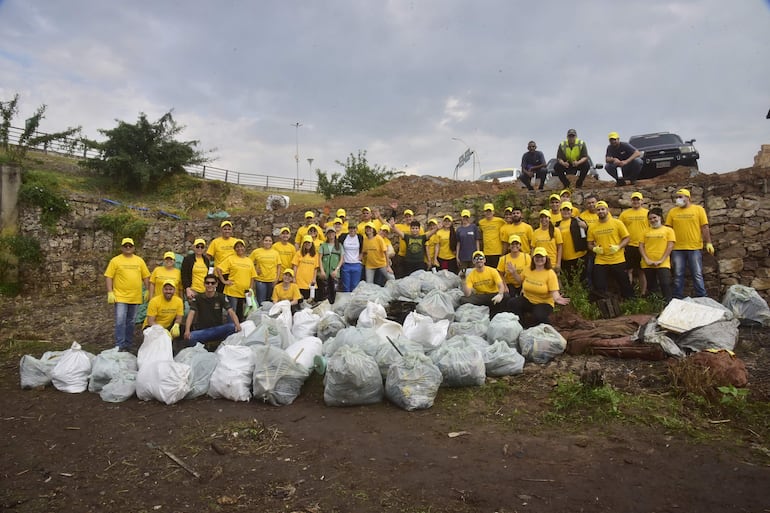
(364, 356)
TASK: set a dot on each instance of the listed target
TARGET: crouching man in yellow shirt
(483, 285)
(166, 310)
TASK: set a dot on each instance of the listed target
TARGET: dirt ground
(75, 453)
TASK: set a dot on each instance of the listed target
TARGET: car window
(491, 175)
(655, 140)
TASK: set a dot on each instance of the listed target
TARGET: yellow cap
(637, 195)
(239, 241)
(565, 191)
(289, 272)
(447, 218)
(337, 220)
(341, 212)
(508, 209)
(285, 229)
(478, 253)
(309, 215)
(602, 204)
(199, 241)
(489, 206)
(169, 282)
(307, 238)
(129, 240)
(366, 209)
(567, 205)
(169, 254)
(545, 212)
(465, 213)
(314, 227)
(613, 135)
(554, 197)
(540, 251)
(385, 227)
(433, 221)
(514, 238)
(408, 212)
(683, 192)
(371, 225)
(225, 223)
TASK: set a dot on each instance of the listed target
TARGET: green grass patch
(42, 189)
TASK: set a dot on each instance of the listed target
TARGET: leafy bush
(358, 177)
(123, 223)
(41, 190)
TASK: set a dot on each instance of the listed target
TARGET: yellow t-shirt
(539, 285)
(490, 235)
(279, 293)
(374, 250)
(241, 271)
(687, 223)
(655, 242)
(286, 252)
(430, 247)
(220, 249)
(444, 251)
(165, 312)
(306, 265)
(568, 248)
(636, 222)
(542, 239)
(486, 281)
(521, 262)
(267, 260)
(523, 230)
(127, 274)
(301, 232)
(163, 273)
(590, 218)
(362, 225)
(199, 272)
(604, 235)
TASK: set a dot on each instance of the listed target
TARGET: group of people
(622, 162)
(505, 262)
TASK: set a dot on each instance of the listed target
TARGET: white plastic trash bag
(121, 388)
(329, 324)
(305, 324)
(282, 310)
(155, 347)
(541, 343)
(461, 364)
(500, 359)
(364, 338)
(413, 382)
(437, 304)
(72, 370)
(372, 315)
(352, 378)
(747, 304)
(271, 332)
(472, 313)
(36, 373)
(202, 364)
(717, 335)
(304, 351)
(421, 329)
(233, 375)
(387, 354)
(505, 326)
(277, 377)
(163, 380)
(474, 328)
(107, 365)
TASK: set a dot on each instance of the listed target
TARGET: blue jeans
(124, 324)
(264, 291)
(350, 275)
(681, 259)
(217, 333)
(630, 171)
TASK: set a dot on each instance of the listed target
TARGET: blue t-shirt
(466, 241)
(531, 159)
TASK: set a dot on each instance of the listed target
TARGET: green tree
(137, 155)
(358, 177)
(29, 138)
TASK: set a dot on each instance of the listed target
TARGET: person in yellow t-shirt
(483, 285)
(267, 263)
(166, 310)
(302, 230)
(574, 243)
(655, 247)
(287, 290)
(515, 260)
(490, 235)
(195, 267)
(367, 216)
(554, 201)
(285, 248)
(514, 225)
(376, 267)
(547, 236)
(691, 226)
(306, 263)
(606, 239)
(166, 271)
(539, 289)
(124, 277)
(635, 219)
(241, 274)
(221, 247)
(444, 256)
(432, 242)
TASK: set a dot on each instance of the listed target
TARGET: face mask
(679, 202)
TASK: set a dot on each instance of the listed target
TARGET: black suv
(662, 151)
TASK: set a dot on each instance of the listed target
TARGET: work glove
(614, 249)
(710, 248)
(598, 250)
(175, 330)
(145, 296)
(497, 298)
(111, 297)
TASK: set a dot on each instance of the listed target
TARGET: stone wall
(76, 252)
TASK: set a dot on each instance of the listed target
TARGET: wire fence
(75, 148)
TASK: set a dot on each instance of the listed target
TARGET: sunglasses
(212, 283)
(200, 246)
(128, 245)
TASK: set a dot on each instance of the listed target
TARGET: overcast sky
(399, 79)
